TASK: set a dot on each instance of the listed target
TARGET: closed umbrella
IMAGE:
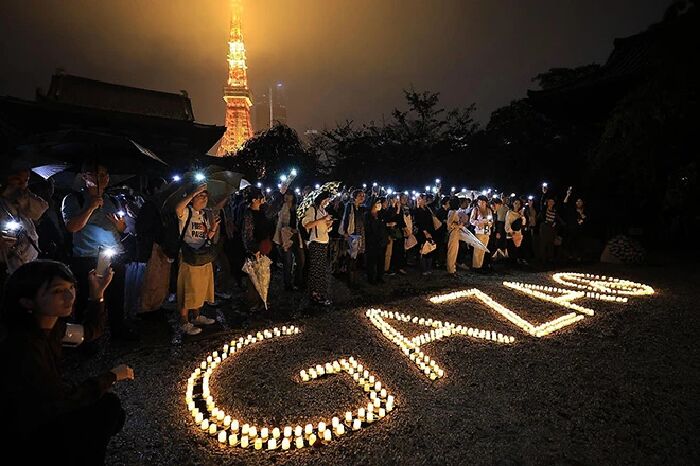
(258, 269)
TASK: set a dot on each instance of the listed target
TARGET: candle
(299, 442)
(272, 444)
(308, 429)
(340, 429)
(370, 416)
(356, 424)
(234, 425)
(382, 412)
(244, 441)
(285, 444)
(232, 439)
(264, 432)
(377, 402)
(212, 429)
(312, 440)
(258, 443)
(276, 432)
(327, 435)
(245, 430)
(361, 412)
(334, 422)
(227, 421)
(205, 424)
(321, 427)
(287, 431)
(253, 431)
(199, 417)
(222, 436)
(298, 431)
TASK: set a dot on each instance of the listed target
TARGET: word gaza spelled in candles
(234, 432)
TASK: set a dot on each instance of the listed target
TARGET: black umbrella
(119, 154)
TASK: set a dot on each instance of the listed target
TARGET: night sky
(337, 59)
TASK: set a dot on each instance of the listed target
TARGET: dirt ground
(620, 387)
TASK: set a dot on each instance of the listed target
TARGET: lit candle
(334, 422)
(340, 429)
(245, 430)
(253, 431)
(232, 439)
(285, 444)
(212, 429)
(327, 435)
(234, 425)
(308, 429)
(205, 424)
(361, 412)
(321, 427)
(276, 432)
(312, 439)
(348, 416)
(299, 442)
(227, 421)
(356, 424)
(287, 431)
(272, 444)
(244, 441)
(264, 432)
(222, 436)
(298, 431)
(258, 443)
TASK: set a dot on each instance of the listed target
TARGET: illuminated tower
(236, 92)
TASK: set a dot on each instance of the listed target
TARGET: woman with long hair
(46, 414)
(377, 238)
(425, 229)
(482, 221)
(318, 223)
(288, 243)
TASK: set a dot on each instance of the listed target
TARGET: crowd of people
(103, 255)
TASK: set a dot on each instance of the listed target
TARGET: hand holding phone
(104, 260)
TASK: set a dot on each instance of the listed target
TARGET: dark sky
(338, 59)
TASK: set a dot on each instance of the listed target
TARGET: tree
(273, 152)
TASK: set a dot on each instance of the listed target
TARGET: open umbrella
(469, 238)
(331, 187)
(119, 154)
(220, 185)
(259, 272)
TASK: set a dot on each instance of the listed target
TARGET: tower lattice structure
(236, 93)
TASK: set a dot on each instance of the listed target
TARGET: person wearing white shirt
(318, 223)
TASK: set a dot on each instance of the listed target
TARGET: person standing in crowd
(531, 238)
(577, 222)
(376, 242)
(195, 282)
(317, 222)
(549, 220)
(95, 222)
(463, 213)
(514, 226)
(425, 229)
(453, 224)
(257, 241)
(288, 243)
(39, 296)
(396, 225)
(500, 209)
(482, 221)
(19, 209)
(353, 228)
(441, 233)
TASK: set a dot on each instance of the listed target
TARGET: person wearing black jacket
(376, 239)
(425, 229)
(52, 419)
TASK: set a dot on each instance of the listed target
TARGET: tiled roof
(91, 93)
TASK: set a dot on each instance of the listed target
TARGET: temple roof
(91, 93)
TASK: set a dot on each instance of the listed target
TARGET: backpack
(172, 235)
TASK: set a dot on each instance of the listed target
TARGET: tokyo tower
(236, 93)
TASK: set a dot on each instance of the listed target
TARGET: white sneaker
(189, 329)
(201, 320)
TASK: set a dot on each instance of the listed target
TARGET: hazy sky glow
(338, 59)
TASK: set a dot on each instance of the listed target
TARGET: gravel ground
(619, 387)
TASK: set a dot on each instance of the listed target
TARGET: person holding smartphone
(19, 209)
(93, 218)
(38, 403)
